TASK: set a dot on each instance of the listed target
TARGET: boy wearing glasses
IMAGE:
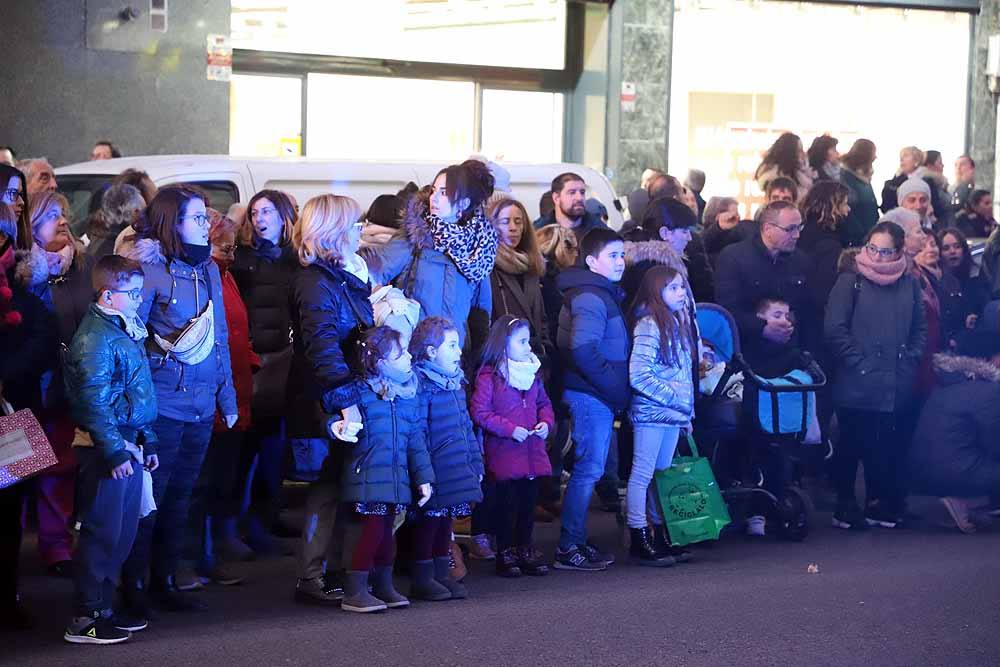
(111, 396)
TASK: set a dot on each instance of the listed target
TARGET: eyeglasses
(11, 194)
(790, 229)
(358, 226)
(875, 251)
(134, 294)
(201, 218)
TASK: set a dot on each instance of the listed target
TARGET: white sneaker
(755, 526)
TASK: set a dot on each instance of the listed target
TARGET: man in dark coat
(769, 266)
(569, 194)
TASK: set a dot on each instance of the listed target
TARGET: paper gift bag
(24, 449)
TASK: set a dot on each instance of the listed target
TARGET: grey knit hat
(911, 185)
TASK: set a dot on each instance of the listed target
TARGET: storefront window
(499, 33)
(522, 126)
(265, 116)
(743, 72)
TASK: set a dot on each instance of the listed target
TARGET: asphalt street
(927, 595)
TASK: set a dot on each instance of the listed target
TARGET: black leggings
(514, 517)
(432, 537)
(881, 440)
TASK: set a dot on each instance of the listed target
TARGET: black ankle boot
(641, 551)
(135, 598)
(662, 545)
(165, 594)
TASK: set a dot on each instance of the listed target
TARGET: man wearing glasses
(768, 266)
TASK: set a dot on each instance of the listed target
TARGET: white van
(235, 179)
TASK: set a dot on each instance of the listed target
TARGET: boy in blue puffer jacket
(594, 345)
(111, 395)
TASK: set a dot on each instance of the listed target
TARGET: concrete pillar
(983, 136)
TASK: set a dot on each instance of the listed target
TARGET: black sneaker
(875, 516)
(849, 518)
(125, 621)
(97, 630)
(575, 558)
(595, 555)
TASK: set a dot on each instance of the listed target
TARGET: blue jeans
(593, 422)
(181, 448)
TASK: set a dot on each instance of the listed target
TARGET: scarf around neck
(521, 374)
(448, 382)
(196, 255)
(471, 246)
(356, 266)
(885, 273)
(513, 261)
(134, 327)
(389, 384)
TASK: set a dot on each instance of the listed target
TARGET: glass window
(84, 193)
(522, 126)
(375, 118)
(501, 33)
(221, 194)
(729, 104)
(265, 116)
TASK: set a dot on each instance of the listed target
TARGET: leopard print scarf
(472, 246)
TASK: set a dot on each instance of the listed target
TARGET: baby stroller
(768, 418)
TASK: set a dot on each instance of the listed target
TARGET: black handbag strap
(411, 274)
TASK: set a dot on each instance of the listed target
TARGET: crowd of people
(435, 359)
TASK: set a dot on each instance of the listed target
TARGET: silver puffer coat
(663, 393)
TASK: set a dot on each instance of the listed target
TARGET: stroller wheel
(793, 515)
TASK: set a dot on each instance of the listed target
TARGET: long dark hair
(24, 239)
(822, 202)
(163, 215)
(495, 349)
(784, 154)
(528, 243)
(471, 179)
(964, 269)
(674, 328)
(816, 154)
(860, 157)
(286, 211)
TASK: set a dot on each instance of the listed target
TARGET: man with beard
(569, 194)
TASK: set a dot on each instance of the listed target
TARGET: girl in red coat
(510, 404)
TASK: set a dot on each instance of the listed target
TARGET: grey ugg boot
(442, 574)
(424, 586)
(385, 591)
(356, 595)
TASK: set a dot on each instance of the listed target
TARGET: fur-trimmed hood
(145, 251)
(415, 225)
(31, 267)
(953, 369)
(654, 251)
(940, 180)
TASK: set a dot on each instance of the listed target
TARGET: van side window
(221, 194)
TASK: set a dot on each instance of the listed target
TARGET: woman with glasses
(876, 331)
(59, 276)
(330, 307)
(263, 269)
(14, 191)
(188, 348)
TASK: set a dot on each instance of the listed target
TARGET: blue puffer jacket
(326, 302)
(664, 392)
(433, 280)
(455, 452)
(173, 293)
(110, 387)
(390, 457)
(593, 339)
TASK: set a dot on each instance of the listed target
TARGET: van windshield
(84, 194)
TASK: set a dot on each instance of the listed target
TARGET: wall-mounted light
(993, 65)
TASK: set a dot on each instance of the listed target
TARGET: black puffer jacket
(390, 457)
(27, 349)
(456, 454)
(325, 378)
(264, 275)
(877, 335)
(955, 449)
(521, 296)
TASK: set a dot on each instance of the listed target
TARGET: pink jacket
(498, 409)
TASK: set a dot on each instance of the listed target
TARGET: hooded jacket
(110, 387)
(410, 261)
(955, 448)
(593, 339)
(173, 293)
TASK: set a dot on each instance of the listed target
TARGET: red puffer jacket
(498, 409)
(243, 359)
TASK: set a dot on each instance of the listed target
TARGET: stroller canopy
(718, 328)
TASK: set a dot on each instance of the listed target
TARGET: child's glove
(520, 434)
(541, 430)
(425, 491)
(343, 430)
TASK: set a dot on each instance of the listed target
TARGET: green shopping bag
(692, 504)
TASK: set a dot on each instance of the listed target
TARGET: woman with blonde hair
(59, 275)
(330, 307)
(910, 159)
